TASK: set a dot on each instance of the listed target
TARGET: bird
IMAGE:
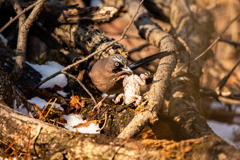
(107, 74)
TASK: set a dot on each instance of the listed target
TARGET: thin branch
(18, 10)
(187, 49)
(215, 41)
(18, 15)
(24, 26)
(120, 148)
(28, 154)
(229, 41)
(17, 139)
(218, 37)
(225, 78)
(44, 109)
(105, 122)
(38, 132)
(82, 86)
(229, 100)
(50, 108)
(214, 94)
(125, 30)
(15, 150)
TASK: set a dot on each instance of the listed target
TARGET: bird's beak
(127, 70)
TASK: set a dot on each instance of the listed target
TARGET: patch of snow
(5, 41)
(73, 120)
(64, 94)
(48, 69)
(21, 109)
(236, 108)
(224, 130)
(216, 105)
(236, 120)
(96, 3)
(41, 103)
(111, 96)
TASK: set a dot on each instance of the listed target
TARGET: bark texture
(156, 36)
(49, 143)
(183, 97)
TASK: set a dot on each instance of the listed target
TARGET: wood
(49, 143)
(156, 36)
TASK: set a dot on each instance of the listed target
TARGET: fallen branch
(50, 140)
(156, 36)
(24, 26)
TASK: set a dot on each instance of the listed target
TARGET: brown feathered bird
(107, 75)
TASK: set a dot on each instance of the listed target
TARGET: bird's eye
(116, 64)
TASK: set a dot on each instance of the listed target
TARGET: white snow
(5, 41)
(96, 3)
(73, 120)
(216, 105)
(64, 94)
(48, 69)
(21, 109)
(41, 103)
(111, 96)
(14, 158)
(224, 130)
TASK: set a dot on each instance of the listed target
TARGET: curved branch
(156, 36)
(24, 27)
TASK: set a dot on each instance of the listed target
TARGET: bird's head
(118, 64)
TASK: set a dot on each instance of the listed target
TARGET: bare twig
(38, 132)
(50, 108)
(187, 49)
(82, 86)
(24, 27)
(120, 147)
(218, 37)
(229, 41)
(105, 122)
(17, 139)
(28, 154)
(229, 100)
(225, 78)
(54, 121)
(214, 94)
(18, 15)
(15, 150)
(215, 41)
(45, 108)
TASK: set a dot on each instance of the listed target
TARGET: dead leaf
(86, 124)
